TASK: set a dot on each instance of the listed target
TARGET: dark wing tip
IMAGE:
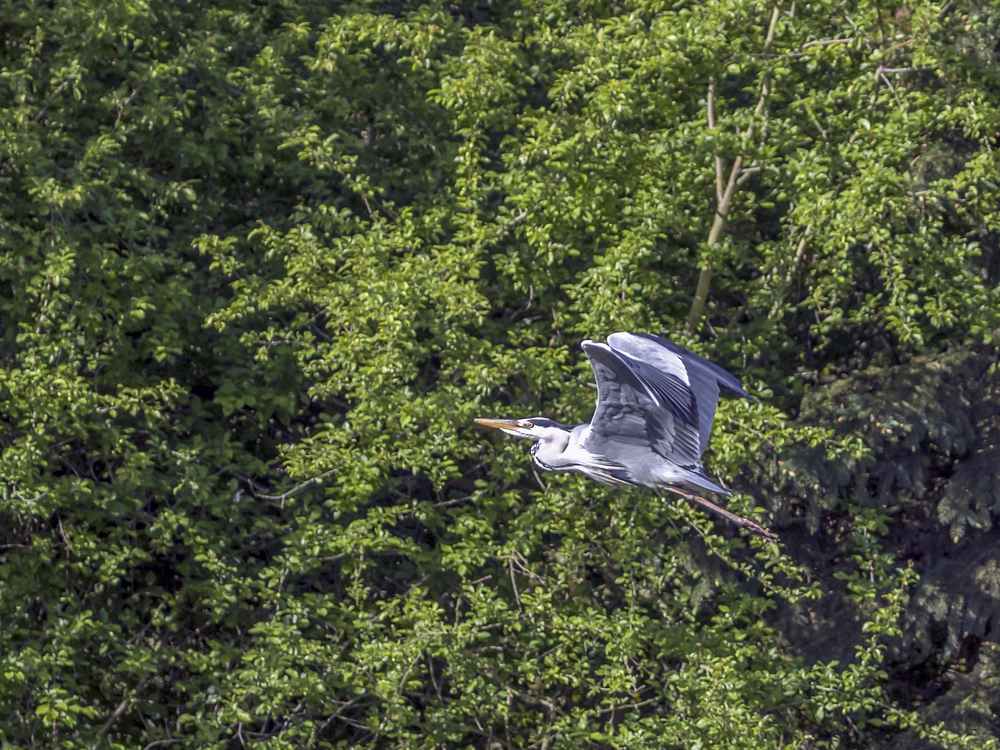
(739, 393)
(729, 384)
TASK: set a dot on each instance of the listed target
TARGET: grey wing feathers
(662, 371)
(726, 380)
(677, 376)
(629, 412)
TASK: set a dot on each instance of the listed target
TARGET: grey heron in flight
(655, 407)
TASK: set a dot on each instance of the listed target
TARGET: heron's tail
(698, 480)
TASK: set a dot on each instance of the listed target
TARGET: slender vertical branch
(118, 711)
(724, 197)
(88, 48)
(714, 235)
(765, 89)
(711, 126)
(793, 269)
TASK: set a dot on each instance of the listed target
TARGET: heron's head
(535, 428)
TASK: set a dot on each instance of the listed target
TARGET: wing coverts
(630, 411)
(682, 376)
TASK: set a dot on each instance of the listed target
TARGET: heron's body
(635, 465)
(655, 407)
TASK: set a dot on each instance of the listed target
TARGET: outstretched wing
(688, 384)
(629, 412)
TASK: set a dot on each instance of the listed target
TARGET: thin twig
(711, 125)
(294, 490)
(825, 41)
(517, 596)
(118, 712)
(58, 91)
(904, 70)
(505, 228)
(30, 500)
(792, 270)
(164, 742)
(89, 47)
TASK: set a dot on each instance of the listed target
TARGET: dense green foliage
(261, 265)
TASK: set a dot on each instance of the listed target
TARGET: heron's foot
(744, 523)
(755, 528)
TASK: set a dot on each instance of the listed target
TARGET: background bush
(262, 263)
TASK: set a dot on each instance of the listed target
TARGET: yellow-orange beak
(498, 424)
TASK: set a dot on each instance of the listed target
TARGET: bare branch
(825, 41)
(725, 198)
(790, 276)
(164, 742)
(746, 174)
(711, 125)
(118, 712)
(83, 59)
(55, 93)
(904, 70)
(505, 228)
(294, 490)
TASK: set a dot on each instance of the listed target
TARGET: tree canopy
(261, 264)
